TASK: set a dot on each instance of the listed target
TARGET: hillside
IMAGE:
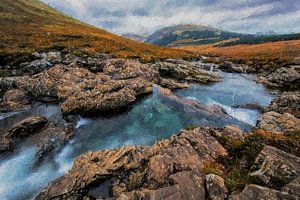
(36, 26)
(181, 35)
(135, 37)
(283, 50)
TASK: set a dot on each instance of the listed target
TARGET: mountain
(135, 37)
(30, 25)
(188, 34)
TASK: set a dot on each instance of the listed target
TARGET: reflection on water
(151, 119)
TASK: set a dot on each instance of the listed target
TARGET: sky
(147, 16)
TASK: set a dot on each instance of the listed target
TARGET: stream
(151, 119)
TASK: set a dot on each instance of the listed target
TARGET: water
(151, 119)
(234, 90)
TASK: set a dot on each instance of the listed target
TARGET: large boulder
(107, 98)
(276, 122)
(275, 168)
(216, 188)
(169, 167)
(288, 102)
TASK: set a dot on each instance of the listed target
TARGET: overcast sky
(146, 16)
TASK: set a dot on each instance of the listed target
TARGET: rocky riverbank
(275, 73)
(197, 163)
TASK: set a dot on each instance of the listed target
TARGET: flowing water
(151, 119)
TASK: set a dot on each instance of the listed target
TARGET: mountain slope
(188, 34)
(30, 25)
(135, 37)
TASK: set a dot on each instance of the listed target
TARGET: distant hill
(182, 35)
(136, 37)
(30, 25)
(188, 35)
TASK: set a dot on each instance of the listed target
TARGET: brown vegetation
(283, 50)
(30, 25)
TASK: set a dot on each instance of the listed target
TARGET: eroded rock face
(273, 121)
(252, 192)
(37, 131)
(288, 102)
(167, 168)
(275, 168)
(216, 187)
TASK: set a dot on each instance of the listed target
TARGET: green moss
(190, 127)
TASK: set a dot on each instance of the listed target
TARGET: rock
(110, 97)
(284, 77)
(232, 67)
(251, 106)
(37, 131)
(127, 69)
(26, 127)
(8, 83)
(252, 192)
(13, 100)
(170, 167)
(286, 123)
(172, 84)
(185, 71)
(35, 67)
(187, 185)
(288, 102)
(293, 187)
(232, 133)
(275, 168)
(84, 92)
(216, 187)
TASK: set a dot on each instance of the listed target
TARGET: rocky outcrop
(14, 99)
(186, 71)
(107, 98)
(252, 192)
(288, 102)
(170, 167)
(275, 168)
(285, 123)
(84, 92)
(284, 77)
(216, 187)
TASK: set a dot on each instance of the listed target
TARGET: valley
(86, 114)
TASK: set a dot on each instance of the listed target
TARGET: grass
(30, 25)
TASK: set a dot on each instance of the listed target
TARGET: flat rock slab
(275, 168)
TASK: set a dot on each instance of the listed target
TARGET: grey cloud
(140, 16)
